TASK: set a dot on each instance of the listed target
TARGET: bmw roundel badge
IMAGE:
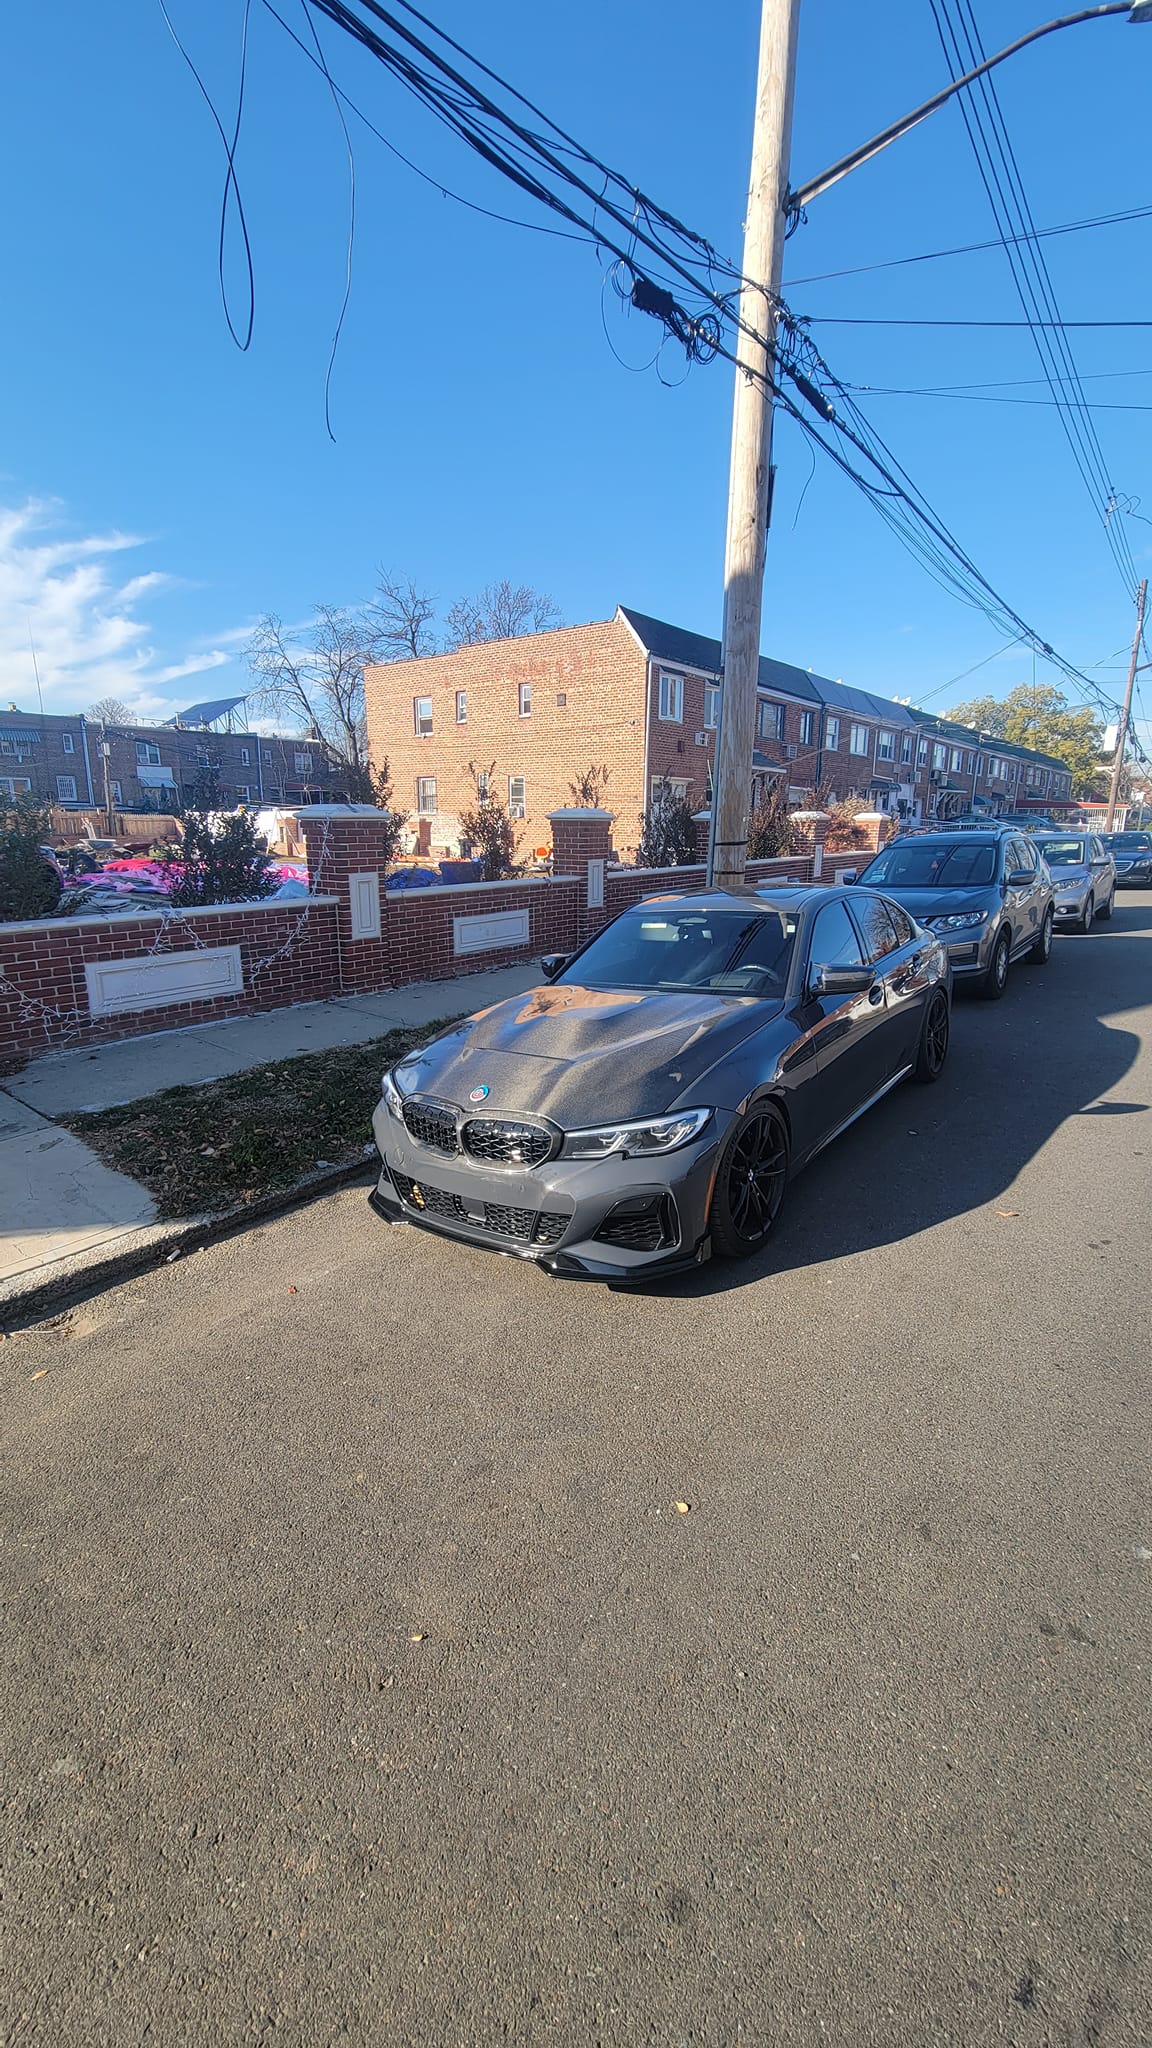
(479, 1094)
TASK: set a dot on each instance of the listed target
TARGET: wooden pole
(1126, 714)
(749, 476)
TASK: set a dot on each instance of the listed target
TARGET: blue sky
(483, 426)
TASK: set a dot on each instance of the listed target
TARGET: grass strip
(202, 1149)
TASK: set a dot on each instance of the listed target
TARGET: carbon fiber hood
(587, 1056)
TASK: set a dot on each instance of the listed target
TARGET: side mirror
(841, 981)
(554, 964)
(849, 875)
(1019, 878)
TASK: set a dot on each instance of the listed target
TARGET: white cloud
(91, 641)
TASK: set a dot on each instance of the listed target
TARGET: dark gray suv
(987, 895)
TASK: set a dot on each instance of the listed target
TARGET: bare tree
(402, 618)
(588, 789)
(501, 611)
(110, 711)
(313, 677)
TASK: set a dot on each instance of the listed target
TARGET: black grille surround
(431, 1123)
(499, 1219)
(640, 1224)
(504, 1141)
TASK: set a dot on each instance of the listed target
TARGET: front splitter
(560, 1265)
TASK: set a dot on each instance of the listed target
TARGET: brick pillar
(344, 845)
(582, 846)
(814, 825)
(703, 823)
(874, 825)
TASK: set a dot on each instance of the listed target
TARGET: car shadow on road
(1018, 1069)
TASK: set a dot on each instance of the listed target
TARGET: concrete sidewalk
(62, 1212)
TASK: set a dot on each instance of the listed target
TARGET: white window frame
(461, 707)
(807, 728)
(147, 754)
(117, 793)
(885, 746)
(267, 753)
(939, 756)
(422, 720)
(302, 764)
(832, 736)
(518, 805)
(423, 808)
(767, 708)
(483, 786)
(956, 764)
(245, 758)
(921, 753)
(857, 732)
(524, 700)
(906, 750)
(711, 706)
(679, 785)
(670, 698)
(66, 795)
(68, 743)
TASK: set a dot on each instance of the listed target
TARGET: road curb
(27, 1297)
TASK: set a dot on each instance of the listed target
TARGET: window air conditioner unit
(791, 751)
(701, 739)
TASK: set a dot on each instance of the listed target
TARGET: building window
(426, 795)
(461, 707)
(939, 756)
(245, 758)
(858, 743)
(147, 753)
(671, 698)
(769, 720)
(711, 706)
(517, 797)
(957, 760)
(885, 746)
(832, 735)
(482, 785)
(244, 793)
(906, 749)
(674, 785)
(922, 753)
(524, 699)
(302, 764)
(267, 757)
(66, 788)
(68, 743)
(807, 722)
(6, 747)
(561, 698)
(422, 716)
(117, 793)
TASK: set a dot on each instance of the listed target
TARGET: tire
(1084, 922)
(750, 1183)
(934, 1036)
(1041, 952)
(1105, 910)
(996, 980)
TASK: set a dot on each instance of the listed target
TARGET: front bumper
(1138, 876)
(969, 951)
(1069, 904)
(551, 1215)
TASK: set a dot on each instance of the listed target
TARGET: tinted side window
(834, 939)
(902, 923)
(876, 927)
(1027, 853)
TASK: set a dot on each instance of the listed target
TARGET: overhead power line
(1068, 227)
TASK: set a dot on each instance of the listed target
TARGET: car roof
(782, 896)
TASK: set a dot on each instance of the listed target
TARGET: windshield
(926, 864)
(1129, 842)
(726, 951)
(1063, 853)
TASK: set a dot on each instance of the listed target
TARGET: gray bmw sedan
(648, 1104)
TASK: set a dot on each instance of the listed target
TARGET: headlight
(1074, 882)
(960, 921)
(660, 1134)
(393, 1100)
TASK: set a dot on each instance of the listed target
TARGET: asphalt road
(364, 1682)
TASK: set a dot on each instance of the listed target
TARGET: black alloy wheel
(1041, 952)
(934, 1037)
(1105, 910)
(750, 1183)
(996, 980)
(1084, 921)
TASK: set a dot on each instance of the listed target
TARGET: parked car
(649, 1103)
(1083, 876)
(1132, 853)
(986, 894)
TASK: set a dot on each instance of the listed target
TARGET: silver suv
(1083, 876)
(987, 894)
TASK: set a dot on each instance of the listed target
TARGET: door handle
(876, 993)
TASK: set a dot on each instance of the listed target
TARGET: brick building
(151, 767)
(644, 697)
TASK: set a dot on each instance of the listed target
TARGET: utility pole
(1126, 714)
(105, 757)
(751, 462)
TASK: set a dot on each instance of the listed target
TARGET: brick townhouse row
(58, 758)
(642, 698)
